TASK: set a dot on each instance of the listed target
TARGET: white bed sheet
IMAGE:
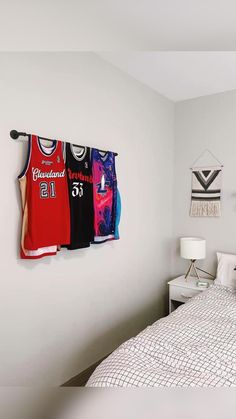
(195, 346)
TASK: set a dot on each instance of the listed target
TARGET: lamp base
(195, 269)
(192, 267)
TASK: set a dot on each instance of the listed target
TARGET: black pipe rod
(16, 134)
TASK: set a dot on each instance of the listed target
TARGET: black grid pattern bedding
(195, 346)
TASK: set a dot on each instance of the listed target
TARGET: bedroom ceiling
(104, 25)
(179, 75)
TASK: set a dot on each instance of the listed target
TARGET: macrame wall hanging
(206, 188)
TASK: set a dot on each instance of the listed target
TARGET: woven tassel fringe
(205, 209)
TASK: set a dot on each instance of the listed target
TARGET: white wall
(59, 315)
(206, 122)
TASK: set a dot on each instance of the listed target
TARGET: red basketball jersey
(45, 201)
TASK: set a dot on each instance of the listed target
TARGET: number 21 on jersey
(47, 190)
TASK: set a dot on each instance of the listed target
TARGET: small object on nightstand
(181, 291)
(202, 284)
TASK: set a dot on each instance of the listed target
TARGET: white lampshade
(192, 248)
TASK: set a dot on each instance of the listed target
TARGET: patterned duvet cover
(195, 346)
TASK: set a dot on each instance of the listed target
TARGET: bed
(195, 346)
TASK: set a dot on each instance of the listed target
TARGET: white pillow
(226, 270)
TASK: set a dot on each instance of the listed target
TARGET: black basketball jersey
(80, 187)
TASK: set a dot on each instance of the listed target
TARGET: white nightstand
(181, 290)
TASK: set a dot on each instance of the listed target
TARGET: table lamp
(192, 248)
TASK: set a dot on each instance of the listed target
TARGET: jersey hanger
(16, 134)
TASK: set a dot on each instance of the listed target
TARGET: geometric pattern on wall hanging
(206, 192)
(206, 187)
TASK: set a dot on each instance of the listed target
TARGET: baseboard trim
(81, 379)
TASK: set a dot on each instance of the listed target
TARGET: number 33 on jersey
(80, 185)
